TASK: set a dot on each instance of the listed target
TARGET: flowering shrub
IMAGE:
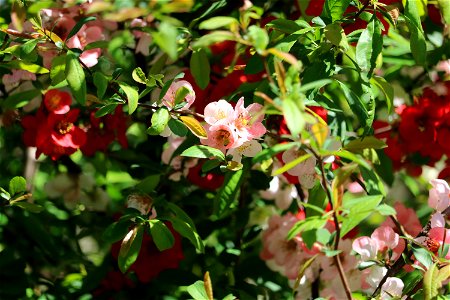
(224, 149)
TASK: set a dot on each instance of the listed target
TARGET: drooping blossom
(170, 97)
(439, 195)
(392, 288)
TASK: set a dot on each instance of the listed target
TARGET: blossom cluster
(53, 132)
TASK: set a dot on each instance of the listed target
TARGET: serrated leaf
(387, 90)
(23, 65)
(31, 207)
(197, 290)
(359, 209)
(200, 68)
(78, 26)
(101, 83)
(444, 7)
(194, 126)
(161, 235)
(417, 40)
(177, 127)
(130, 247)
(75, 77)
(58, 69)
(218, 22)
(334, 9)
(189, 232)
(258, 37)
(17, 185)
(293, 116)
(139, 76)
(166, 39)
(160, 118)
(369, 46)
(227, 194)
(132, 96)
(116, 231)
(201, 151)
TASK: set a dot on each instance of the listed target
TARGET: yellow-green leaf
(194, 126)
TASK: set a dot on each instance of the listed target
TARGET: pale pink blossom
(221, 137)
(247, 121)
(392, 288)
(386, 238)
(439, 195)
(281, 192)
(144, 38)
(372, 277)
(169, 98)
(305, 167)
(180, 165)
(249, 149)
(366, 247)
(349, 262)
(219, 112)
(86, 35)
(11, 81)
(437, 220)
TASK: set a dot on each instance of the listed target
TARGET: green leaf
(357, 106)
(17, 185)
(197, 290)
(373, 183)
(130, 247)
(271, 152)
(227, 194)
(309, 237)
(258, 37)
(359, 209)
(201, 151)
(132, 96)
(78, 26)
(75, 77)
(294, 115)
(334, 9)
(444, 6)
(200, 68)
(353, 157)
(367, 142)
(116, 231)
(411, 279)
(139, 76)
(104, 110)
(58, 69)
(430, 284)
(177, 127)
(181, 214)
(160, 118)
(310, 223)
(283, 25)
(386, 210)
(29, 46)
(162, 237)
(218, 22)
(23, 65)
(166, 39)
(194, 126)
(101, 83)
(336, 35)
(31, 207)
(387, 90)
(317, 197)
(369, 46)
(212, 38)
(189, 232)
(148, 184)
(423, 256)
(417, 40)
(20, 99)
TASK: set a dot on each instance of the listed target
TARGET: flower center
(64, 127)
(225, 137)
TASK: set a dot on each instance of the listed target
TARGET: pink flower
(169, 98)
(392, 288)
(12, 81)
(407, 217)
(366, 247)
(87, 35)
(249, 149)
(219, 112)
(349, 262)
(221, 137)
(248, 120)
(386, 238)
(439, 195)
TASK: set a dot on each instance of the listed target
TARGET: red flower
(209, 181)
(151, 261)
(57, 102)
(101, 132)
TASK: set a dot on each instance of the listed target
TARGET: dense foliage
(224, 149)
